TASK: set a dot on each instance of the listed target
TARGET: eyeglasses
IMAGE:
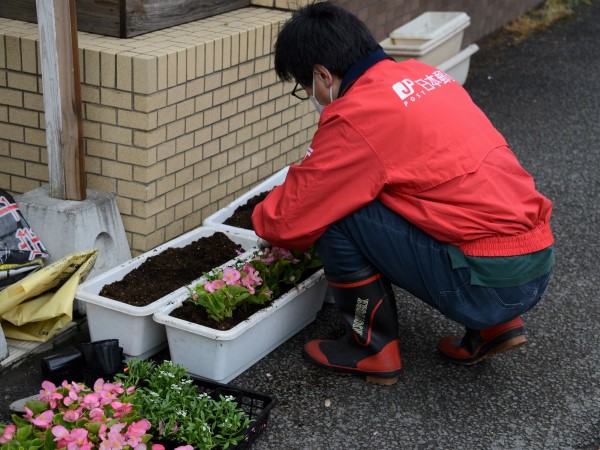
(299, 92)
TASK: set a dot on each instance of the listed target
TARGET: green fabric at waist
(503, 271)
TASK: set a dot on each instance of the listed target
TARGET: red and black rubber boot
(477, 345)
(371, 349)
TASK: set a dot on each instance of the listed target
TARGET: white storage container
(432, 37)
(458, 65)
(138, 334)
(217, 219)
(223, 355)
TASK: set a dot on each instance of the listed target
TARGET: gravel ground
(543, 95)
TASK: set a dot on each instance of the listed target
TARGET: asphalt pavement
(544, 96)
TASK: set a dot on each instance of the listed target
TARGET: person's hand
(263, 244)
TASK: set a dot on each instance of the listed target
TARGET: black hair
(320, 33)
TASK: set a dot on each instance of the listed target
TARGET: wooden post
(59, 49)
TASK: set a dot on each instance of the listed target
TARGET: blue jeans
(416, 262)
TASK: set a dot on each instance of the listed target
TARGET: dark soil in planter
(242, 216)
(171, 269)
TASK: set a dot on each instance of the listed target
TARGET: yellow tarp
(38, 306)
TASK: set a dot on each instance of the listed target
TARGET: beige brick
(213, 81)
(117, 170)
(33, 101)
(165, 217)
(24, 117)
(93, 164)
(29, 56)
(162, 71)
(116, 134)
(181, 66)
(165, 150)
(124, 71)
(190, 63)
(118, 99)
(25, 152)
(101, 183)
(202, 136)
(149, 103)
(2, 52)
(200, 59)
(145, 74)
(149, 138)
(219, 129)
(167, 115)
(209, 57)
(175, 129)
(36, 171)
(4, 148)
(12, 132)
(138, 120)
(212, 115)
(125, 205)
(218, 55)
(137, 156)
(3, 113)
(235, 49)
(98, 113)
(194, 122)
(136, 191)
(12, 165)
(185, 108)
(176, 94)
(175, 164)
(137, 224)
(265, 3)
(91, 71)
(184, 143)
(210, 180)
(3, 77)
(90, 94)
(201, 168)
(252, 44)
(203, 102)
(101, 149)
(20, 184)
(195, 87)
(174, 196)
(218, 192)
(108, 69)
(149, 174)
(13, 53)
(243, 56)
(211, 148)
(228, 109)
(221, 95)
(184, 177)
(172, 69)
(226, 52)
(150, 208)
(234, 185)
(165, 184)
(35, 137)
(175, 229)
(22, 81)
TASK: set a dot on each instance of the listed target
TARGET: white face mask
(314, 100)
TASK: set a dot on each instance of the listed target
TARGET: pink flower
(44, 420)
(158, 447)
(231, 276)
(136, 431)
(248, 284)
(184, 447)
(72, 415)
(91, 401)
(8, 433)
(121, 408)
(214, 285)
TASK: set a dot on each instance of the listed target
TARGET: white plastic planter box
(138, 334)
(223, 355)
(458, 66)
(433, 37)
(217, 219)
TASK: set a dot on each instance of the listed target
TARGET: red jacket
(409, 135)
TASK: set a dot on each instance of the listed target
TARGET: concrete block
(66, 226)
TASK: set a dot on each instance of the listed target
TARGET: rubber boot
(372, 349)
(476, 345)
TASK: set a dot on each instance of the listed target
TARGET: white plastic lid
(431, 25)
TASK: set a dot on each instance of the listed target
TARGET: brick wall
(181, 121)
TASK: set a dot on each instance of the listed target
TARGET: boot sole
(369, 378)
